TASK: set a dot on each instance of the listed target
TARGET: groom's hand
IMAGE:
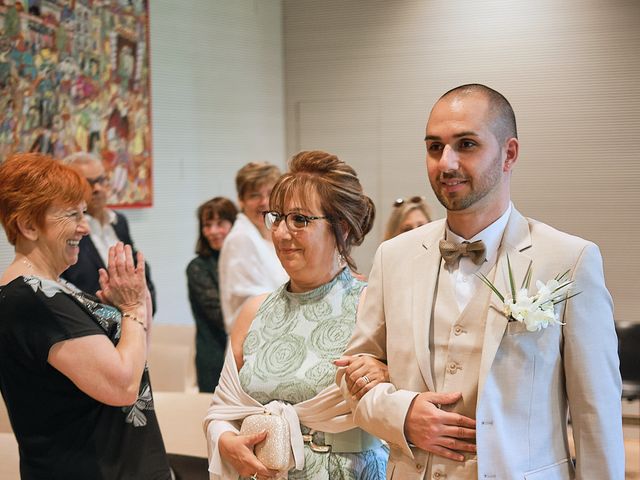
(436, 431)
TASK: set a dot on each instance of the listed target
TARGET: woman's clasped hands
(123, 284)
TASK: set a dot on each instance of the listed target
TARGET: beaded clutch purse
(275, 450)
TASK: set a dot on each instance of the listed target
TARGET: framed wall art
(74, 76)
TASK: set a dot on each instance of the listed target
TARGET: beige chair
(173, 334)
(5, 425)
(171, 368)
(181, 416)
(171, 358)
(9, 457)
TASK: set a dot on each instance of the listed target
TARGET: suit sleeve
(383, 409)
(592, 372)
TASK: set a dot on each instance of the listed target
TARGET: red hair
(30, 183)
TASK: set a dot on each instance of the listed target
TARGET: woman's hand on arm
(362, 373)
(111, 374)
(237, 449)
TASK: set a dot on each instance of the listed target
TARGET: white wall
(361, 76)
(217, 102)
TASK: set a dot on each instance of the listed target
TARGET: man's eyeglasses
(295, 221)
(402, 201)
(101, 180)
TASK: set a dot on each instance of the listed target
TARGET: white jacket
(248, 267)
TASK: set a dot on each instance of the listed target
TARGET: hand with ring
(237, 449)
(362, 373)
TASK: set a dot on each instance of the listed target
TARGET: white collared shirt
(463, 274)
(248, 266)
(103, 236)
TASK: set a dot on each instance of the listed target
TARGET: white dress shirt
(463, 275)
(103, 236)
(248, 266)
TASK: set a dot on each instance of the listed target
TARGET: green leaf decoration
(488, 283)
(512, 282)
(526, 281)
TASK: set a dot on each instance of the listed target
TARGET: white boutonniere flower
(535, 311)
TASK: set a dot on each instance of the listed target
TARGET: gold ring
(365, 379)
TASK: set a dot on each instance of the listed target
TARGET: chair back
(171, 358)
(181, 416)
(629, 353)
(176, 334)
(9, 457)
(5, 424)
(171, 368)
(629, 350)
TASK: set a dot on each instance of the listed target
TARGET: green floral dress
(288, 355)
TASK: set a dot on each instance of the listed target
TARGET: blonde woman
(406, 215)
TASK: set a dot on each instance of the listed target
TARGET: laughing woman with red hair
(72, 366)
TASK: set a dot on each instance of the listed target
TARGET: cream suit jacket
(528, 381)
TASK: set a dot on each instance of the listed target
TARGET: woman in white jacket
(248, 264)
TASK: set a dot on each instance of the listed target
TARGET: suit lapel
(90, 252)
(121, 229)
(424, 277)
(515, 241)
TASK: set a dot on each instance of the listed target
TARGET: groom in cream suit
(472, 394)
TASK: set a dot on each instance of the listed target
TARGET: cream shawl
(326, 412)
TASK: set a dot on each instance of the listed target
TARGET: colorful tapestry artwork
(74, 76)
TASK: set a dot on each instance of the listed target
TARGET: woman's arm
(106, 373)
(242, 325)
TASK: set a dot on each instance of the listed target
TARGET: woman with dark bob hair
(215, 218)
(284, 344)
(72, 366)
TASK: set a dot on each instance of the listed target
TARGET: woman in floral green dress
(284, 343)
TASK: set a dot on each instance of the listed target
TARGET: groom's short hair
(504, 118)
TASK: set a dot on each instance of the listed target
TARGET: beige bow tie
(452, 251)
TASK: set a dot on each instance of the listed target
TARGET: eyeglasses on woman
(294, 221)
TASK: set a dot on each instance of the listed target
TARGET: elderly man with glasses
(107, 228)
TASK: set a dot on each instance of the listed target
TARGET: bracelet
(135, 319)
